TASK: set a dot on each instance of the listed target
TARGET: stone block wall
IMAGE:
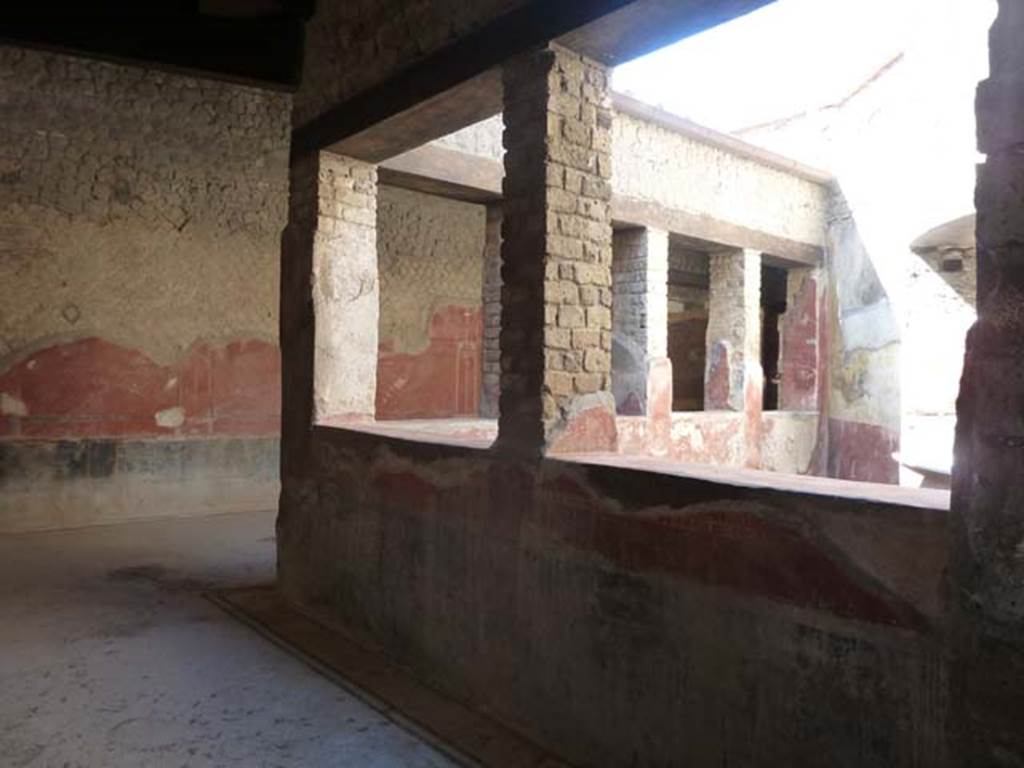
(140, 216)
(987, 572)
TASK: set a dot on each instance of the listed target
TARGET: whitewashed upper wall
(654, 163)
(660, 159)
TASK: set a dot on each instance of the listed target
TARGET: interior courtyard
(415, 383)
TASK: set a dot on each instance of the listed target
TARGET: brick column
(987, 571)
(639, 313)
(328, 327)
(733, 378)
(333, 229)
(734, 336)
(556, 256)
(641, 369)
(490, 386)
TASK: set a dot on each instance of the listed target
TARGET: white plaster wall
(482, 139)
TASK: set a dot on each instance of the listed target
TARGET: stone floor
(110, 656)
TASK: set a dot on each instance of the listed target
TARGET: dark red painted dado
(441, 381)
(94, 388)
(862, 452)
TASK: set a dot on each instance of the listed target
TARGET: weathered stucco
(793, 622)
(697, 177)
(140, 273)
(864, 386)
(113, 226)
(657, 164)
(430, 255)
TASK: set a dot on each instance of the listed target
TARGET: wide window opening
(826, 335)
(430, 346)
(439, 270)
(773, 303)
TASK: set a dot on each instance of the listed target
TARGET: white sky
(779, 60)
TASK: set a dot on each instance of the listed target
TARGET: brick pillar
(733, 379)
(556, 256)
(490, 388)
(639, 313)
(641, 369)
(987, 572)
(734, 335)
(799, 351)
(334, 216)
(328, 327)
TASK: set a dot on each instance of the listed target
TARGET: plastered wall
(654, 163)
(140, 215)
(864, 387)
(430, 261)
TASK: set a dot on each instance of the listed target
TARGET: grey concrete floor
(110, 657)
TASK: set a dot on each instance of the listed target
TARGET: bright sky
(779, 60)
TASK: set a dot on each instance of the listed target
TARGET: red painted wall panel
(94, 388)
(862, 452)
(799, 386)
(443, 381)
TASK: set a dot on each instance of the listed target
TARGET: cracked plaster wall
(140, 207)
(140, 220)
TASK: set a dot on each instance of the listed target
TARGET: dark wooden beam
(469, 102)
(445, 172)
